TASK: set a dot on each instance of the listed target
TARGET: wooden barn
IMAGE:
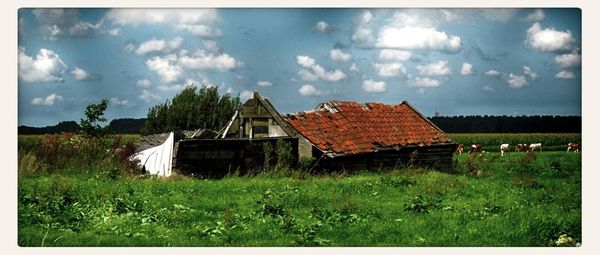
(336, 135)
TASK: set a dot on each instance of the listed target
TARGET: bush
(29, 164)
(284, 155)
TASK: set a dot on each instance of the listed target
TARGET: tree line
(508, 124)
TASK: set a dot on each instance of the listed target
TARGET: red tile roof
(352, 128)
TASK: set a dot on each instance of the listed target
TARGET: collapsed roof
(344, 127)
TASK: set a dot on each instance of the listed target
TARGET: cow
(503, 148)
(534, 146)
(475, 148)
(521, 147)
(573, 146)
(459, 149)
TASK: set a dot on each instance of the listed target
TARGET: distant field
(517, 201)
(492, 142)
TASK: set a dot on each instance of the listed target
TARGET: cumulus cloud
(309, 90)
(49, 100)
(311, 71)
(515, 81)
(143, 83)
(435, 69)
(565, 75)
(80, 74)
(413, 37)
(466, 69)
(45, 67)
(424, 82)
(148, 96)
(245, 95)
(264, 83)
(56, 23)
(363, 33)
(529, 72)
(492, 73)
(372, 86)
(339, 56)
(389, 69)
(323, 27)
(499, 15)
(549, 39)
(395, 55)
(203, 60)
(568, 60)
(166, 67)
(123, 102)
(536, 16)
(488, 88)
(155, 45)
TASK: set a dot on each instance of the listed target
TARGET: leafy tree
(190, 109)
(93, 114)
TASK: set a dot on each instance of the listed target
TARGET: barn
(337, 135)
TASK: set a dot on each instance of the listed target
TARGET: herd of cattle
(519, 147)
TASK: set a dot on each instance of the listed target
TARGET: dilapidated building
(337, 135)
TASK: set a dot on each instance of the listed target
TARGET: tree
(93, 114)
(191, 109)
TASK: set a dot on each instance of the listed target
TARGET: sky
(444, 61)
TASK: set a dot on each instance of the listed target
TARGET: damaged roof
(350, 128)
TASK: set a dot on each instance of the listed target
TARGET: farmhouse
(337, 135)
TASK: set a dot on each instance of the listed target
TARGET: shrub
(29, 164)
(284, 155)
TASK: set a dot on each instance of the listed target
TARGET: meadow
(517, 200)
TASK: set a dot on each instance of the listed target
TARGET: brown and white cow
(521, 147)
(573, 147)
(503, 148)
(534, 146)
(459, 149)
(475, 148)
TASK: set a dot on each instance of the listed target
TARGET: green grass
(517, 201)
(492, 141)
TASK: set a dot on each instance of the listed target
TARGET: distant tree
(190, 109)
(93, 113)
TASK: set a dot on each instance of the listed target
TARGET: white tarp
(157, 160)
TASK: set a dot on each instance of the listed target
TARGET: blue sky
(451, 61)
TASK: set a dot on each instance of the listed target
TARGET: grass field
(517, 200)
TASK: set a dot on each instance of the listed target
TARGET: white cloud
(354, 68)
(492, 73)
(126, 16)
(309, 90)
(46, 67)
(466, 69)
(536, 16)
(130, 47)
(412, 37)
(372, 86)
(549, 39)
(515, 81)
(123, 102)
(166, 67)
(143, 83)
(435, 69)
(201, 30)
(155, 45)
(389, 69)
(339, 56)
(312, 71)
(363, 33)
(114, 32)
(395, 55)
(264, 83)
(488, 88)
(80, 74)
(499, 15)
(323, 27)
(565, 75)
(203, 60)
(245, 95)
(147, 96)
(424, 82)
(532, 74)
(56, 23)
(49, 100)
(568, 60)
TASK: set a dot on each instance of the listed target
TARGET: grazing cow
(534, 146)
(574, 147)
(503, 148)
(521, 147)
(459, 149)
(475, 148)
